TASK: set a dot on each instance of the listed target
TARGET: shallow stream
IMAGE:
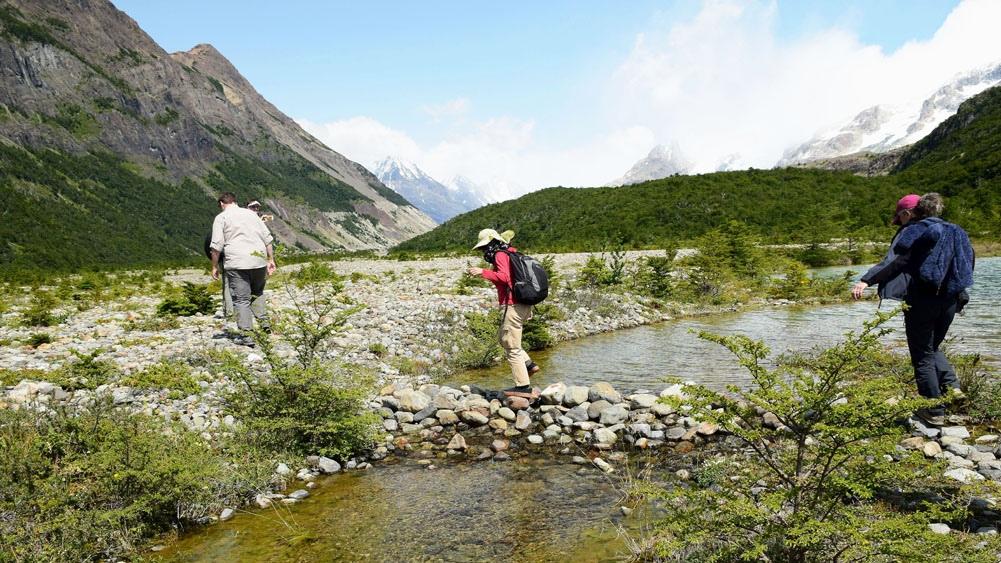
(544, 510)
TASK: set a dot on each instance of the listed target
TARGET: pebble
(298, 494)
(226, 514)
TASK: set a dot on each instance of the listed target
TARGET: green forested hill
(961, 159)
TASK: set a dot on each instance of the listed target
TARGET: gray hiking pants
(247, 287)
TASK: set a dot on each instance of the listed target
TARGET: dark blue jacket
(930, 249)
(942, 258)
(890, 274)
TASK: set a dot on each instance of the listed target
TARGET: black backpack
(529, 281)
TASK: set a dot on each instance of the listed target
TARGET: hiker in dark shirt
(929, 266)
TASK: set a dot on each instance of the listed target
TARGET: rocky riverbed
(410, 313)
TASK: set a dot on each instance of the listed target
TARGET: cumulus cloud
(721, 83)
(724, 83)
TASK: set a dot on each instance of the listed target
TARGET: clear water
(540, 510)
(640, 358)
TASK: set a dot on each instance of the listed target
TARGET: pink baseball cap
(909, 201)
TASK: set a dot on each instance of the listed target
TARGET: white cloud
(447, 110)
(719, 83)
(724, 83)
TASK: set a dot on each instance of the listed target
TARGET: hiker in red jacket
(513, 315)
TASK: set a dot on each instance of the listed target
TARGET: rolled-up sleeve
(218, 234)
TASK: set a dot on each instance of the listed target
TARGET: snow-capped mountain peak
(885, 127)
(661, 162)
(429, 195)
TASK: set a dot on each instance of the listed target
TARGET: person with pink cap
(929, 266)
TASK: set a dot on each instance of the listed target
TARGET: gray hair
(930, 205)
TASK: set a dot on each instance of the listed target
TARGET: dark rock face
(80, 76)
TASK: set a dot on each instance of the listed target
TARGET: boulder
(553, 394)
(226, 514)
(518, 403)
(578, 413)
(662, 409)
(595, 408)
(603, 465)
(446, 417)
(614, 414)
(932, 449)
(457, 442)
(604, 437)
(575, 395)
(299, 494)
(328, 465)
(535, 439)
(412, 401)
(474, 418)
(913, 443)
(939, 528)
(506, 413)
(963, 475)
(642, 400)
(523, 421)
(956, 431)
(676, 390)
(602, 391)
(498, 424)
(500, 445)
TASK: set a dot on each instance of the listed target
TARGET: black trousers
(926, 323)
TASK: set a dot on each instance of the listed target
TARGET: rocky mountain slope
(661, 162)
(882, 128)
(95, 116)
(439, 201)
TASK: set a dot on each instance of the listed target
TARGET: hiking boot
(524, 391)
(931, 417)
(532, 367)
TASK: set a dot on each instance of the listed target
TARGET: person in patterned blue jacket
(929, 267)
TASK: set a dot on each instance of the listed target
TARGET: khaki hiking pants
(513, 318)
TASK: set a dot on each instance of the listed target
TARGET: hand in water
(858, 289)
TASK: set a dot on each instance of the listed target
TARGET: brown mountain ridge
(80, 79)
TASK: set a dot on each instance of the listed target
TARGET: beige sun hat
(487, 235)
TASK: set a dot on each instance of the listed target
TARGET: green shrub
(172, 375)
(86, 372)
(535, 334)
(317, 273)
(653, 276)
(476, 341)
(152, 324)
(830, 483)
(96, 484)
(981, 386)
(378, 348)
(795, 283)
(319, 409)
(467, 283)
(601, 271)
(40, 311)
(36, 339)
(305, 404)
(192, 300)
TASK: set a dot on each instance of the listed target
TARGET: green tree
(825, 480)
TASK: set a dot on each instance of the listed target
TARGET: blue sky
(437, 71)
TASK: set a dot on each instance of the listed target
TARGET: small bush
(315, 410)
(152, 324)
(467, 283)
(378, 348)
(535, 334)
(38, 338)
(192, 300)
(982, 388)
(477, 341)
(318, 273)
(830, 484)
(40, 311)
(172, 375)
(94, 485)
(653, 276)
(86, 372)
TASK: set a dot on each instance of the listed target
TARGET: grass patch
(171, 375)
